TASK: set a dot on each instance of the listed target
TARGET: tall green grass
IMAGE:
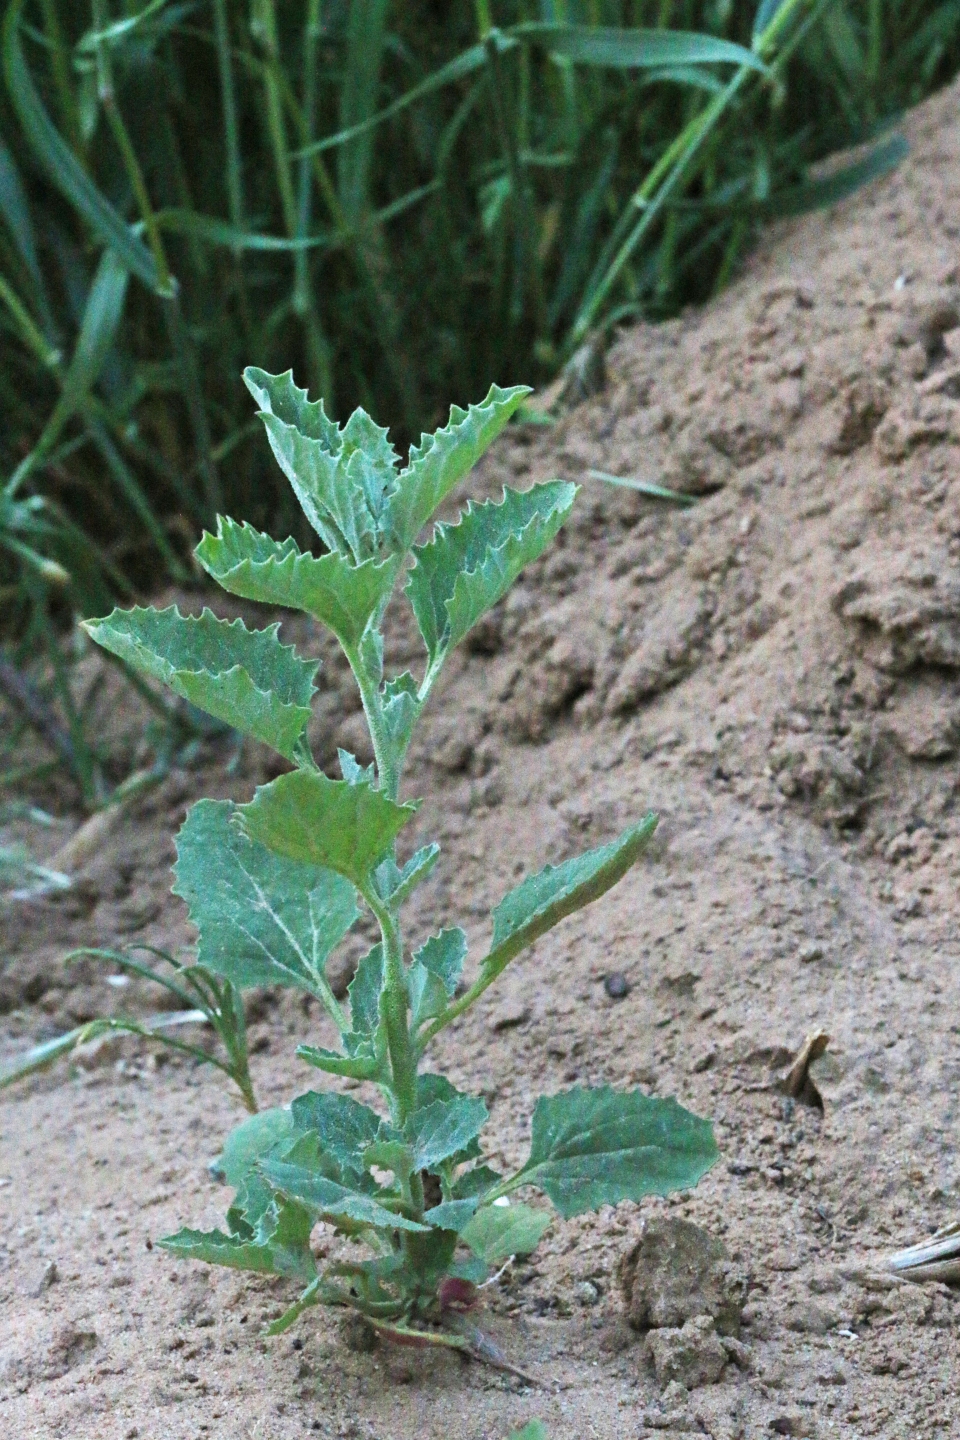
(403, 201)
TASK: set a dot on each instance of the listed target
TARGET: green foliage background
(403, 202)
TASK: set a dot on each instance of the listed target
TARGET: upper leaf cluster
(368, 510)
(348, 480)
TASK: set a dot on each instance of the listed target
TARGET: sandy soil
(776, 671)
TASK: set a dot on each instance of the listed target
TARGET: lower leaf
(499, 1231)
(598, 1147)
(333, 1201)
(279, 1245)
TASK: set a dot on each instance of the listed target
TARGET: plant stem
(387, 764)
(403, 1058)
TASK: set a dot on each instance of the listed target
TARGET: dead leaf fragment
(935, 1259)
(797, 1082)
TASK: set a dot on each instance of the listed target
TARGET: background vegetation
(403, 202)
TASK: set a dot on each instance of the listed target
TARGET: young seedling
(207, 998)
(275, 884)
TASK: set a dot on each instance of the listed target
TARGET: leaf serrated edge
(403, 528)
(497, 959)
(556, 515)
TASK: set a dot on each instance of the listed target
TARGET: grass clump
(402, 199)
(275, 884)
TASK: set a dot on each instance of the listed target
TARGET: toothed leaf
(400, 709)
(344, 1128)
(387, 1154)
(443, 955)
(397, 885)
(427, 996)
(441, 460)
(333, 1201)
(356, 1066)
(452, 1214)
(344, 827)
(263, 919)
(352, 771)
(342, 488)
(598, 1147)
(433, 975)
(340, 595)
(244, 677)
(498, 1231)
(444, 1128)
(415, 871)
(249, 1141)
(475, 1183)
(542, 900)
(279, 1244)
(466, 568)
(364, 992)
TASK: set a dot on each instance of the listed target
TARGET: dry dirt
(776, 671)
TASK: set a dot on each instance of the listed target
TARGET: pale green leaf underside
(398, 885)
(305, 816)
(245, 678)
(356, 1067)
(427, 995)
(441, 460)
(542, 900)
(433, 976)
(250, 1140)
(466, 568)
(338, 1202)
(499, 1231)
(263, 919)
(342, 478)
(443, 956)
(340, 595)
(598, 1147)
(364, 991)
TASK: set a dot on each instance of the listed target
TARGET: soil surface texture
(776, 670)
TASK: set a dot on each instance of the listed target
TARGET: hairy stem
(403, 1058)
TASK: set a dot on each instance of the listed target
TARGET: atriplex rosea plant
(274, 885)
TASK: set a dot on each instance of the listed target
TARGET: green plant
(208, 998)
(181, 186)
(273, 886)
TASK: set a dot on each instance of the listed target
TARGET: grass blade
(633, 49)
(66, 172)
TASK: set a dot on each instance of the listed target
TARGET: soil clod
(677, 1271)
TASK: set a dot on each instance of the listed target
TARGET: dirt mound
(774, 668)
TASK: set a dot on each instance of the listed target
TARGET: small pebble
(616, 985)
(49, 1277)
(811, 952)
(586, 1293)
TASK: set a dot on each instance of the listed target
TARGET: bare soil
(774, 670)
